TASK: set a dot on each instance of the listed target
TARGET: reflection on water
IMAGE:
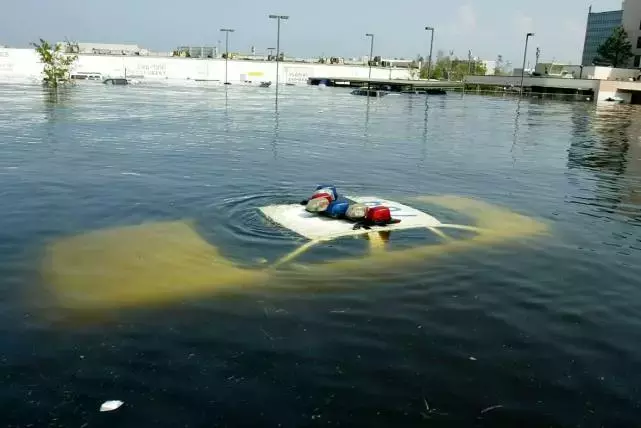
(515, 134)
(425, 128)
(606, 151)
(276, 130)
(606, 143)
(367, 107)
(150, 194)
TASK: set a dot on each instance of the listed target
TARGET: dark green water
(546, 329)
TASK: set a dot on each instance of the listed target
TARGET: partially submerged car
(165, 262)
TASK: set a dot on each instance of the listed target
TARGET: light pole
(371, 52)
(527, 37)
(278, 18)
(226, 31)
(429, 63)
(469, 62)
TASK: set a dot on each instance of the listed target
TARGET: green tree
(498, 68)
(616, 50)
(56, 62)
(454, 69)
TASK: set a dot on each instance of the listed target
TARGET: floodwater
(530, 330)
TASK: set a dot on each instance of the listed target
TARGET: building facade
(632, 24)
(600, 26)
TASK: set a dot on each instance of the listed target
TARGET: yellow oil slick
(166, 262)
(139, 265)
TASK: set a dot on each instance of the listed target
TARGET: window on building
(639, 43)
(637, 60)
(639, 25)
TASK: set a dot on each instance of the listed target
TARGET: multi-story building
(631, 22)
(600, 27)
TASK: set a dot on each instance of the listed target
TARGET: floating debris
(111, 405)
(430, 411)
(489, 409)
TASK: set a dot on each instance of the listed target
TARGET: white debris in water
(489, 409)
(111, 405)
(472, 359)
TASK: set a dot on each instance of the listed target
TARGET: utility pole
(527, 36)
(278, 18)
(371, 52)
(226, 31)
(429, 63)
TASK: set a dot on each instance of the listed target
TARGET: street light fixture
(226, 31)
(527, 37)
(278, 18)
(429, 64)
(371, 52)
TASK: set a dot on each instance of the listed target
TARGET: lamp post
(226, 31)
(371, 52)
(527, 37)
(278, 18)
(429, 63)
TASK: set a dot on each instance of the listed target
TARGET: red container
(322, 195)
(378, 215)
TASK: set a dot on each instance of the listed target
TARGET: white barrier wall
(19, 63)
(609, 73)
(547, 82)
(24, 63)
(618, 89)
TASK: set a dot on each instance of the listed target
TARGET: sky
(329, 27)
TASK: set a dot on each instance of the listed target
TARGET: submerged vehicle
(116, 81)
(364, 91)
(164, 262)
(424, 91)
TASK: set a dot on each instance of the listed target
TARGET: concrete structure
(632, 25)
(598, 84)
(599, 27)
(109, 49)
(24, 65)
(394, 85)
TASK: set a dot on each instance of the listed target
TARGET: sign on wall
(296, 75)
(151, 70)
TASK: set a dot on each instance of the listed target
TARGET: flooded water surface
(135, 264)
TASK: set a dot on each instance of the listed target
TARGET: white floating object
(111, 405)
(314, 227)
